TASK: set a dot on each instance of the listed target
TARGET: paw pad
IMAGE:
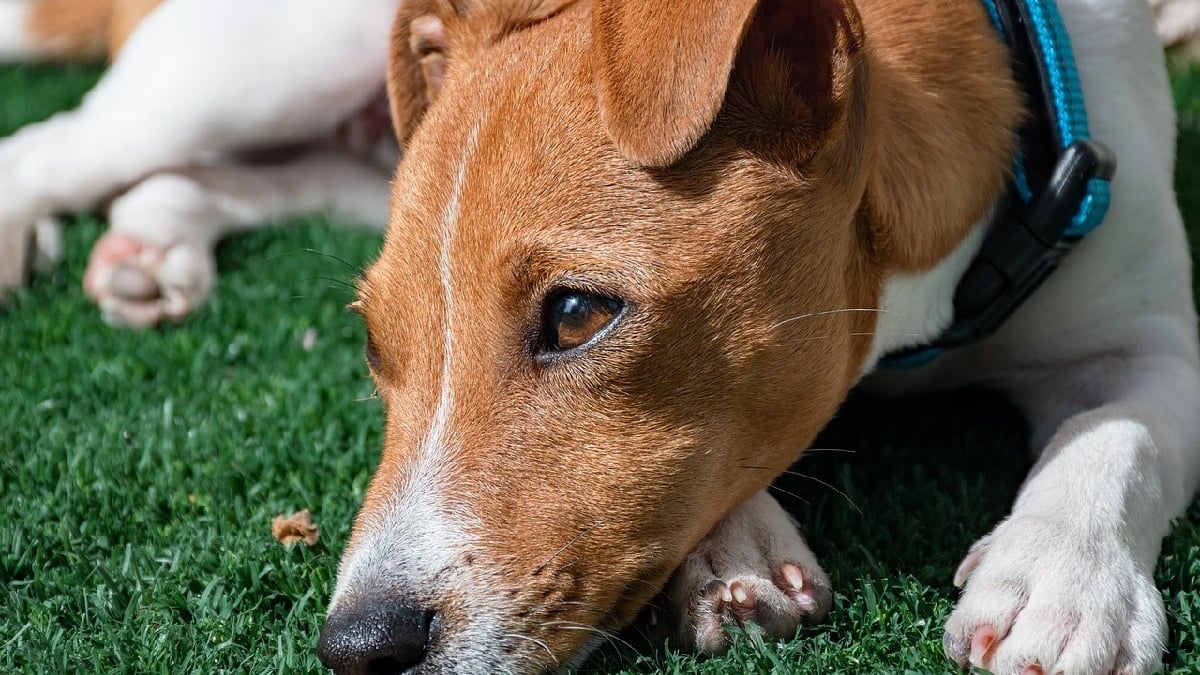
(139, 285)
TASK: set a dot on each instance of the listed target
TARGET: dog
(637, 254)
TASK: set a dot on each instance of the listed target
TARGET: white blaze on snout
(418, 532)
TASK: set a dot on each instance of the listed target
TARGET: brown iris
(574, 318)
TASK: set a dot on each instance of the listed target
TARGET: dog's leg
(157, 262)
(754, 571)
(198, 77)
(1065, 584)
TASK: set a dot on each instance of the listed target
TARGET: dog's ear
(417, 66)
(663, 69)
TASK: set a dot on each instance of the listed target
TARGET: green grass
(139, 472)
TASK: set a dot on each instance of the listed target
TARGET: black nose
(374, 638)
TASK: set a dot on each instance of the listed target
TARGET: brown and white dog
(636, 253)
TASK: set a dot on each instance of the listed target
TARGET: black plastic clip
(1025, 244)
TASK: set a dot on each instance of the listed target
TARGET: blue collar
(1059, 191)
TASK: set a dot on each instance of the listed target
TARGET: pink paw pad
(139, 285)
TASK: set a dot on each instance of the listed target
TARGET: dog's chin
(482, 658)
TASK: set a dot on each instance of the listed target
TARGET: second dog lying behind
(177, 130)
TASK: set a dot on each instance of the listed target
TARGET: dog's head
(608, 309)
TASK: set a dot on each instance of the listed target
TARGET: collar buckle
(1025, 244)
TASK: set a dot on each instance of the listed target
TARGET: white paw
(1043, 597)
(157, 262)
(138, 284)
(30, 239)
(753, 572)
(27, 246)
(47, 244)
(15, 245)
(19, 233)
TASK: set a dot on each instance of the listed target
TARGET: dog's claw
(968, 565)
(792, 576)
(745, 604)
(981, 643)
(814, 598)
(753, 571)
(717, 594)
(48, 244)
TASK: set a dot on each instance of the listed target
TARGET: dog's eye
(371, 356)
(574, 318)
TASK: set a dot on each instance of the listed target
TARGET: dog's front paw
(1043, 597)
(138, 284)
(754, 572)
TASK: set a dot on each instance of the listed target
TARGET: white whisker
(610, 637)
(826, 313)
(830, 337)
(818, 480)
(535, 641)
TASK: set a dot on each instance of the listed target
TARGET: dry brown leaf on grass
(297, 527)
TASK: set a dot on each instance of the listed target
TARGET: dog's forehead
(513, 179)
(490, 181)
(513, 152)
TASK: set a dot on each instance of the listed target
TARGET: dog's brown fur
(800, 163)
(943, 130)
(86, 29)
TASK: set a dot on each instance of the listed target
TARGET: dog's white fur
(1103, 359)
(1178, 21)
(422, 528)
(15, 43)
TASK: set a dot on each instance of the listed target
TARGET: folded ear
(663, 68)
(416, 67)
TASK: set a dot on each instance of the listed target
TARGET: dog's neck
(942, 110)
(941, 118)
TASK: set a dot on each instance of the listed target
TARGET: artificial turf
(140, 471)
